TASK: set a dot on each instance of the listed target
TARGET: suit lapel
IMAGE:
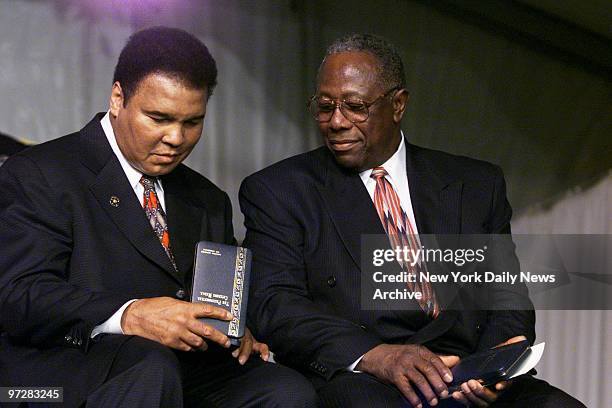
(116, 197)
(185, 219)
(350, 207)
(436, 200)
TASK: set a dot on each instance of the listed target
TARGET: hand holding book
(480, 378)
(248, 346)
(221, 276)
(174, 323)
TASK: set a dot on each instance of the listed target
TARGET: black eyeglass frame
(340, 104)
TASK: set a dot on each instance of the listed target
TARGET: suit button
(180, 294)
(331, 281)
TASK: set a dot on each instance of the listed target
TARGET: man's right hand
(174, 323)
(410, 365)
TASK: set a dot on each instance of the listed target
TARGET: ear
(400, 101)
(116, 100)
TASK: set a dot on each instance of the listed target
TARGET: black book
(490, 366)
(221, 276)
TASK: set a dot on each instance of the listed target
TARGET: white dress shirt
(397, 176)
(113, 324)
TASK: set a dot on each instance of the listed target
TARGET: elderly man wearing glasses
(305, 218)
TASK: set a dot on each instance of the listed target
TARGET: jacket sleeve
(38, 304)
(511, 311)
(281, 308)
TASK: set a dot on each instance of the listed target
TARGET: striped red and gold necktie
(401, 234)
(156, 215)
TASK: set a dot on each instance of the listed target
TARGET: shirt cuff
(113, 324)
(351, 368)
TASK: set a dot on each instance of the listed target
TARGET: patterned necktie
(156, 215)
(401, 234)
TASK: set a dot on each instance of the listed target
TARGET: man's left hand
(248, 346)
(473, 393)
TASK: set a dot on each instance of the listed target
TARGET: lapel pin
(114, 201)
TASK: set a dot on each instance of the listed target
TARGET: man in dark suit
(97, 240)
(305, 218)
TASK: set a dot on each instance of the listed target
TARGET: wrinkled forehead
(165, 95)
(347, 73)
(162, 81)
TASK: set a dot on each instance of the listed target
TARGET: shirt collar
(395, 165)
(131, 173)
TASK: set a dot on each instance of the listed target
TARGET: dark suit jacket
(69, 259)
(9, 146)
(305, 217)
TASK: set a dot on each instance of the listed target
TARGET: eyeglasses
(355, 110)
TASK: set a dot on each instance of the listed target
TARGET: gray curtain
(578, 345)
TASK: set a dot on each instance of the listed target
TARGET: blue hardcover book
(221, 277)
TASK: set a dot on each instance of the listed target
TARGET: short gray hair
(391, 67)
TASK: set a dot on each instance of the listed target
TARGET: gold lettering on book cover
(237, 291)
